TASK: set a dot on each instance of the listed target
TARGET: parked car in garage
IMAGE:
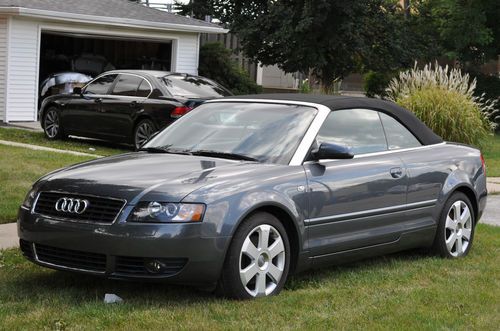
(242, 192)
(126, 106)
(62, 83)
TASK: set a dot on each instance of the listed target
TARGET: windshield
(269, 133)
(187, 86)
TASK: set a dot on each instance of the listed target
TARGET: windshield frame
(300, 153)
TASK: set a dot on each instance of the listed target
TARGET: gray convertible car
(242, 192)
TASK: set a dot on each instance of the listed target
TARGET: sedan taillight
(484, 164)
(180, 111)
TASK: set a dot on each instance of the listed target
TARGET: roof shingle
(108, 8)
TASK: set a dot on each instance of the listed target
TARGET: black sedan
(126, 106)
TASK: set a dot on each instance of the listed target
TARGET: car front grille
(71, 259)
(98, 263)
(128, 265)
(101, 210)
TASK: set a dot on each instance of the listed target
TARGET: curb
(47, 149)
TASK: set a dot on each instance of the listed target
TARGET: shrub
(444, 100)
(449, 113)
(488, 87)
(375, 83)
(216, 64)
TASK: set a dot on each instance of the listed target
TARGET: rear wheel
(258, 259)
(455, 231)
(52, 124)
(143, 132)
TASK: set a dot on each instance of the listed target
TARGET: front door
(83, 115)
(358, 202)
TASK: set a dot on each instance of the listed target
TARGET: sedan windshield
(262, 132)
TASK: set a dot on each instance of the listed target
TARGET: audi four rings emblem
(70, 205)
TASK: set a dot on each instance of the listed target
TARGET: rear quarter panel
(438, 171)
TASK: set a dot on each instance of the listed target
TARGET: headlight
(29, 199)
(167, 212)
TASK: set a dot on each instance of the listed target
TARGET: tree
(330, 38)
(195, 8)
(466, 30)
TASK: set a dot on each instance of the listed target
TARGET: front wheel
(258, 259)
(52, 124)
(455, 231)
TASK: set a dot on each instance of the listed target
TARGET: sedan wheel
(456, 227)
(258, 259)
(51, 124)
(143, 132)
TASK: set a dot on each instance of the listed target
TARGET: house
(41, 37)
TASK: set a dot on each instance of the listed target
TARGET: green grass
(407, 291)
(491, 153)
(19, 168)
(74, 144)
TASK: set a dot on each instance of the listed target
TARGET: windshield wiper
(165, 149)
(232, 156)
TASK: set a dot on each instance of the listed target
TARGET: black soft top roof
(425, 135)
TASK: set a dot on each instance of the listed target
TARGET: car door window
(144, 89)
(397, 135)
(101, 85)
(359, 129)
(127, 85)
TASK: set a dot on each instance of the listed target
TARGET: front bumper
(123, 250)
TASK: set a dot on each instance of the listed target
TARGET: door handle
(98, 100)
(396, 172)
(134, 104)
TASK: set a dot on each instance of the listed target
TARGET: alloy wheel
(458, 228)
(51, 124)
(262, 260)
(143, 133)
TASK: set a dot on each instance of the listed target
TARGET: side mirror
(331, 151)
(77, 90)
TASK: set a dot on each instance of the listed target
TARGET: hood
(131, 176)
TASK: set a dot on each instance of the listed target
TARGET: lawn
(491, 152)
(408, 291)
(74, 144)
(19, 168)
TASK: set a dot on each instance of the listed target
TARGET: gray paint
(340, 209)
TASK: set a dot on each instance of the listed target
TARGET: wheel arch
(287, 218)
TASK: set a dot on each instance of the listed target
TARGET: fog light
(154, 266)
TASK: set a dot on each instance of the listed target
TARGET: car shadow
(78, 288)
(99, 143)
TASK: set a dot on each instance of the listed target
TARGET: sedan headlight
(167, 212)
(30, 198)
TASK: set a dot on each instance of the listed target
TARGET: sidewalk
(493, 185)
(8, 236)
(47, 149)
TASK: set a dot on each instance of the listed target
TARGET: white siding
(187, 54)
(18, 99)
(3, 65)
(22, 77)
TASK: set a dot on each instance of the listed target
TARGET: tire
(254, 268)
(142, 132)
(455, 232)
(52, 124)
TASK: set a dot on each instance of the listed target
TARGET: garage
(68, 60)
(44, 37)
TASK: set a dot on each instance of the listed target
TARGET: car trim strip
(370, 212)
